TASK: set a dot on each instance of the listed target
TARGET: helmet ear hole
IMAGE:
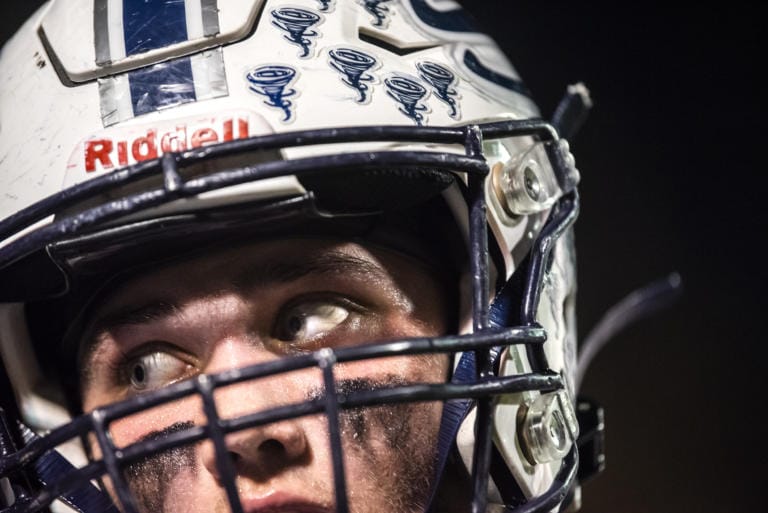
(376, 189)
(32, 277)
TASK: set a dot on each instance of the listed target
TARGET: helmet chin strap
(455, 411)
(86, 498)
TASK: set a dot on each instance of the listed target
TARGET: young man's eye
(309, 320)
(155, 370)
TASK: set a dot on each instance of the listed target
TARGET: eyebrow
(153, 311)
(327, 263)
(128, 316)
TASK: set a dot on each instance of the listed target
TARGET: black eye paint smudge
(150, 477)
(389, 419)
(396, 439)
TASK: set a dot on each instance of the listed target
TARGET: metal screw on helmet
(525, 184)
(548, 428)
(532, 184)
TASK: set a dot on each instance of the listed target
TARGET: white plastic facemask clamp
(548, 428)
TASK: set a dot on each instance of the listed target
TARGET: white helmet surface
(142, 134)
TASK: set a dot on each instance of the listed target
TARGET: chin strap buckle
(7, 446)
(591, 441)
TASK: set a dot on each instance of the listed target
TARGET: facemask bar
(480, 342)
(175, 188)
(563, 216)
(98, 421)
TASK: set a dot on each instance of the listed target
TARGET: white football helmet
(136, 130)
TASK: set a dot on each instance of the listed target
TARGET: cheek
(170, 477)
(184, 495)
(390, 449)
(428, 368)
(416, 324)
(390, 456)
(155, 421)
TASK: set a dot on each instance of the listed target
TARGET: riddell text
(112, 152)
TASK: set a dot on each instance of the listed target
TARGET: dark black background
(672, 179)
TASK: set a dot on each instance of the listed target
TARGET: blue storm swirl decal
(474, 64)
(455, 20)
(408, 93)
(272, 81)
(326, 5)
(441, 79)
(378, 11)
(354, 64)
(297, 23)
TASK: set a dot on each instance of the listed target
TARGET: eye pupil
(139, 374)
(310, 320)
(295, 324)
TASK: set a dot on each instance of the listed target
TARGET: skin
(254, 304)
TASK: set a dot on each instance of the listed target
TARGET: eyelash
(121, 367)
(354, 307)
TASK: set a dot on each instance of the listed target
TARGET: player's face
(255, 304)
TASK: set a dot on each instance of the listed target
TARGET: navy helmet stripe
(142, 33)
(124, 28)
(473, 63)
(455, 20)
(149, 91)
(152, 24)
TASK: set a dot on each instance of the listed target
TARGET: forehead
(248, 266)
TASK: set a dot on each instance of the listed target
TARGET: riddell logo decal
(106, 153)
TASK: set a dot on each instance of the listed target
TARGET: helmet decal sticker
(472, 62)
(166, 84)
(327, 5)
(297, 23)
(409, 94)
(119, 147)
(272, 81)
(454, 20)
(354, 65)
(378, 11)
(128, 27)
(442, 80)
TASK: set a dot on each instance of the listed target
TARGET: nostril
(262, 451)
(272, 447)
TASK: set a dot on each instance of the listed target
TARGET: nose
(261, 452)
(264, 451)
